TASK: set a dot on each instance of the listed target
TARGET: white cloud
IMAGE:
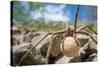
(51, 13)
(55, 17)
(56, 13)
(36, 14)
(54, 8)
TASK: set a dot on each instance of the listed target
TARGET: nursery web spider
(68, 32)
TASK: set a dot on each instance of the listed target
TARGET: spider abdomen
(70, 47)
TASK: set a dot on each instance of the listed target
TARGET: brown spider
(69, 45)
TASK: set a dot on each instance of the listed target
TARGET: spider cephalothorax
(69, 31)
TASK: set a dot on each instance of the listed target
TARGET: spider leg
(49, 49)
(86, 26)
(86, 33)
(50, 46)
(81, 27)
(92, 29)
(32, 49)
(75, 18)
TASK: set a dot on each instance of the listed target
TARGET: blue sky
(60, 12)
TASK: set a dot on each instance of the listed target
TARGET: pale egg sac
(70, 47)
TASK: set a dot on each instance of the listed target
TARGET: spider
(69, 45)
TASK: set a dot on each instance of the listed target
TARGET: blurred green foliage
(36, 4)
(50, 26)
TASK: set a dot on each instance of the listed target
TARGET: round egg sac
(70, 47)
